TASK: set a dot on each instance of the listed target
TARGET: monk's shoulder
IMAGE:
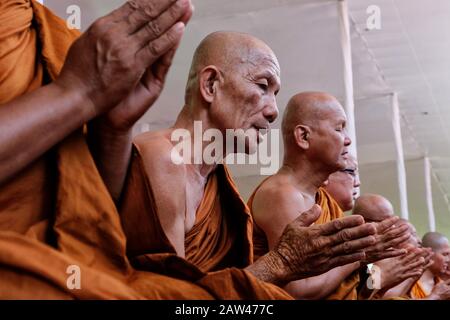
(276, 196)
(156, 148)
(277, 189)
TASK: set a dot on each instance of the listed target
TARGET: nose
(347, 140)
(357, 182)
(270, 112)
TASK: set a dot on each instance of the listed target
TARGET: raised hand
(394, 271)
(441, 291)
(307, 251)
(388, 238)
(132, 45)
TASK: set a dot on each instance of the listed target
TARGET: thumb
(309, 217)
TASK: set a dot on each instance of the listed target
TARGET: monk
(58, 196)
(192, 208)
(343, 185)
(315, 143)
(431, 286)
(389, 277)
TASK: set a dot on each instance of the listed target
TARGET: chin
(251, 147)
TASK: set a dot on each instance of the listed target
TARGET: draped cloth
(417, 291)
(57, 212)
(347, 290)
(222, 233)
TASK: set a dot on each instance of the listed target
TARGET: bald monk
(343, 184)
(193, 209)
(389, 275)
(55, 209)
(82, 228)
(315, 145)
(431, 286)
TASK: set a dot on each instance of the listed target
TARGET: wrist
(78, 96)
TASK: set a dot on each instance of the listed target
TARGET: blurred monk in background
(316, 145)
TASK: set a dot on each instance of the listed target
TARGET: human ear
(302, 135)
(208, 80)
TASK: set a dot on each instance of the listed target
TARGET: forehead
(263, 61)
(334, 111)
(444, 248)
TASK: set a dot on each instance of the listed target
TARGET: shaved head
(227, 50)
(307, 108)
(373, 207)
(434, 240)
(441, 252)
(414, 239)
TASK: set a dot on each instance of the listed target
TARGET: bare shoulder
(276, 203)
(277, 192)
(156, 150)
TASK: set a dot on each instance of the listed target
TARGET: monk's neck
(192, 124)
(306, 177)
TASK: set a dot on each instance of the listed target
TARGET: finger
(339, 224)
(305, 219)
(389, 254)
(354, 245)
(162, 68)
(346, 259)
(157, 48)
(348, 234)
(134, 14)
(420, 262)
(427, 265)
(395, 242)
(386, 224)
(412, 274)
(188, 14)
(396, 232)
(406, 259)
(155, 28)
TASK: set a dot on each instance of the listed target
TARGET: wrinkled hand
(441, 291)
(308, 251)
(126, 50)
(388, 238)
(394, 271)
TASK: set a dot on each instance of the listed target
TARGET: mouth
(344, 155)
(261, 131)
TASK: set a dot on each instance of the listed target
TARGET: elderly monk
(55, 209)
(389, 274)
(343, 185)
(56, 213)
(191, 207)
(430, 285)
(315, 144)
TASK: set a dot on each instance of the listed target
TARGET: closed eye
(263, 86)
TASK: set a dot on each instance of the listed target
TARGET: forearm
(111, 150)
(33, 123)
(321, 286)
(399, 290)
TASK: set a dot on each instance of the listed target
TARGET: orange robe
(221, 236)
(57, 212)
(347, 290)
(417, 291)
(219, 243)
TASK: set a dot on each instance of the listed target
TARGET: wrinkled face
(441, 260)
(342, 187)
(246, 99)
(329, 140)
